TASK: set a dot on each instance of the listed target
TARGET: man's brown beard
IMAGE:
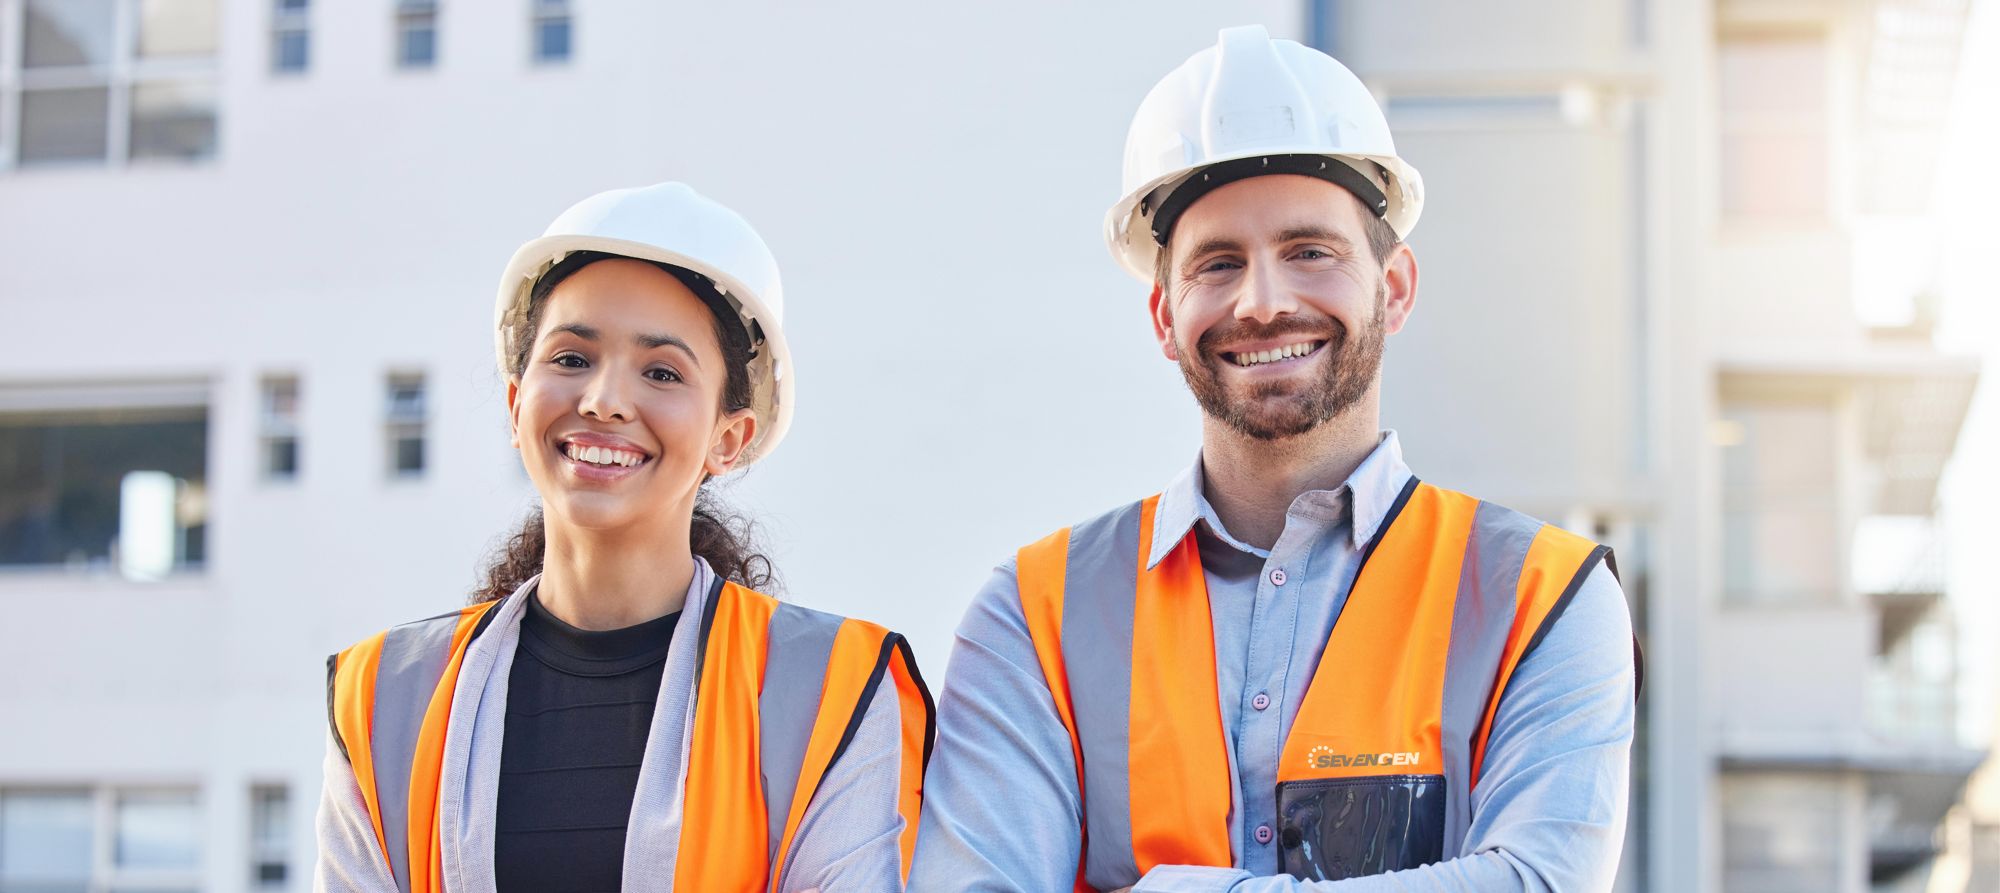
(1269, 412)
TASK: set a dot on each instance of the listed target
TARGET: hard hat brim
(1129, 236)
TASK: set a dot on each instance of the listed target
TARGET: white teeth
(603, 455)
(1288, 351)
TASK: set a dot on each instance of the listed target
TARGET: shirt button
(1278, 576)
(1263, 833)
(1261, 701)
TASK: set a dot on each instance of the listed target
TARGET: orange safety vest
(757, 754)
(1379, 765)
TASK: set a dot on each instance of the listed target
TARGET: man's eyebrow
(1300, 232)
(1213, 244)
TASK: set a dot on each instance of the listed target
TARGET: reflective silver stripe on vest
(800, 644)
(413, 659)
(1098, 599)
(1488, 596)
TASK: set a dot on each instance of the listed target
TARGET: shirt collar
(1370, 492)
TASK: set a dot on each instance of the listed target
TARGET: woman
(619, 710)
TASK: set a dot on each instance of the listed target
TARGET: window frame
(542, 12)
(285, 22)
(123, 71)
(397, 425)
(103, 797)
(401, 13)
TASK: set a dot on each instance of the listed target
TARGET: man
(1297, 668)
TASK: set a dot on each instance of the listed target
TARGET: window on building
(114, 80)
(406, 425)
(46, 839)
(416, 33)
(270, 836)
(280, 422)
(101, 838)
(1780, 506)
(551, 31)
(104, 479)
(291, 35)
(1775, 109)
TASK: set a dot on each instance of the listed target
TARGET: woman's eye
(663, 375)
(569, 361)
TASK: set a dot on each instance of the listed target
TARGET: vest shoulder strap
(781, 692)
(389, 703)
(1557, 563)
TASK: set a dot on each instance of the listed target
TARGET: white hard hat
(1248, 106)
(674, 225)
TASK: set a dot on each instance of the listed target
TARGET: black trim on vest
(332, 724)
(1638, 653)
(485, 620)
(1600, 553)
(930, 706)
(867, 695)
(1638, 668)
(1320, 167)
(1395, 511)
(707, 623)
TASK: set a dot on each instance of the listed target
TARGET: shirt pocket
(1331, 829)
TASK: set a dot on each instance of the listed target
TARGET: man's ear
(1162, 312)
(1399, 288)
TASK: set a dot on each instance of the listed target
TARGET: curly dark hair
(722, 538)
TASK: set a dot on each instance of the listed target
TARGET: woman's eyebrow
(650, 342)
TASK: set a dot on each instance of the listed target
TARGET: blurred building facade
(1662, 222)
(248, 415)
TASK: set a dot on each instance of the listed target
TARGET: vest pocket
(1331, 829)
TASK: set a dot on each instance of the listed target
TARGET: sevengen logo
(1324, 757)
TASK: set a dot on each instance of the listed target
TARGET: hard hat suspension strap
(1321, 167)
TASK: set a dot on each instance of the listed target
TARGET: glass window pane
(282, 458)
(158, 829)
(409, 455)
(68, 32)
(68, 124)
(64, 472)
(291, 51)
(293, 5)
(418, 43)
(45, 840)
(176, 28)
(552, 40)
(173, 119)
(270, 835)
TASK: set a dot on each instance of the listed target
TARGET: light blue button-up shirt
(1002, 809)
